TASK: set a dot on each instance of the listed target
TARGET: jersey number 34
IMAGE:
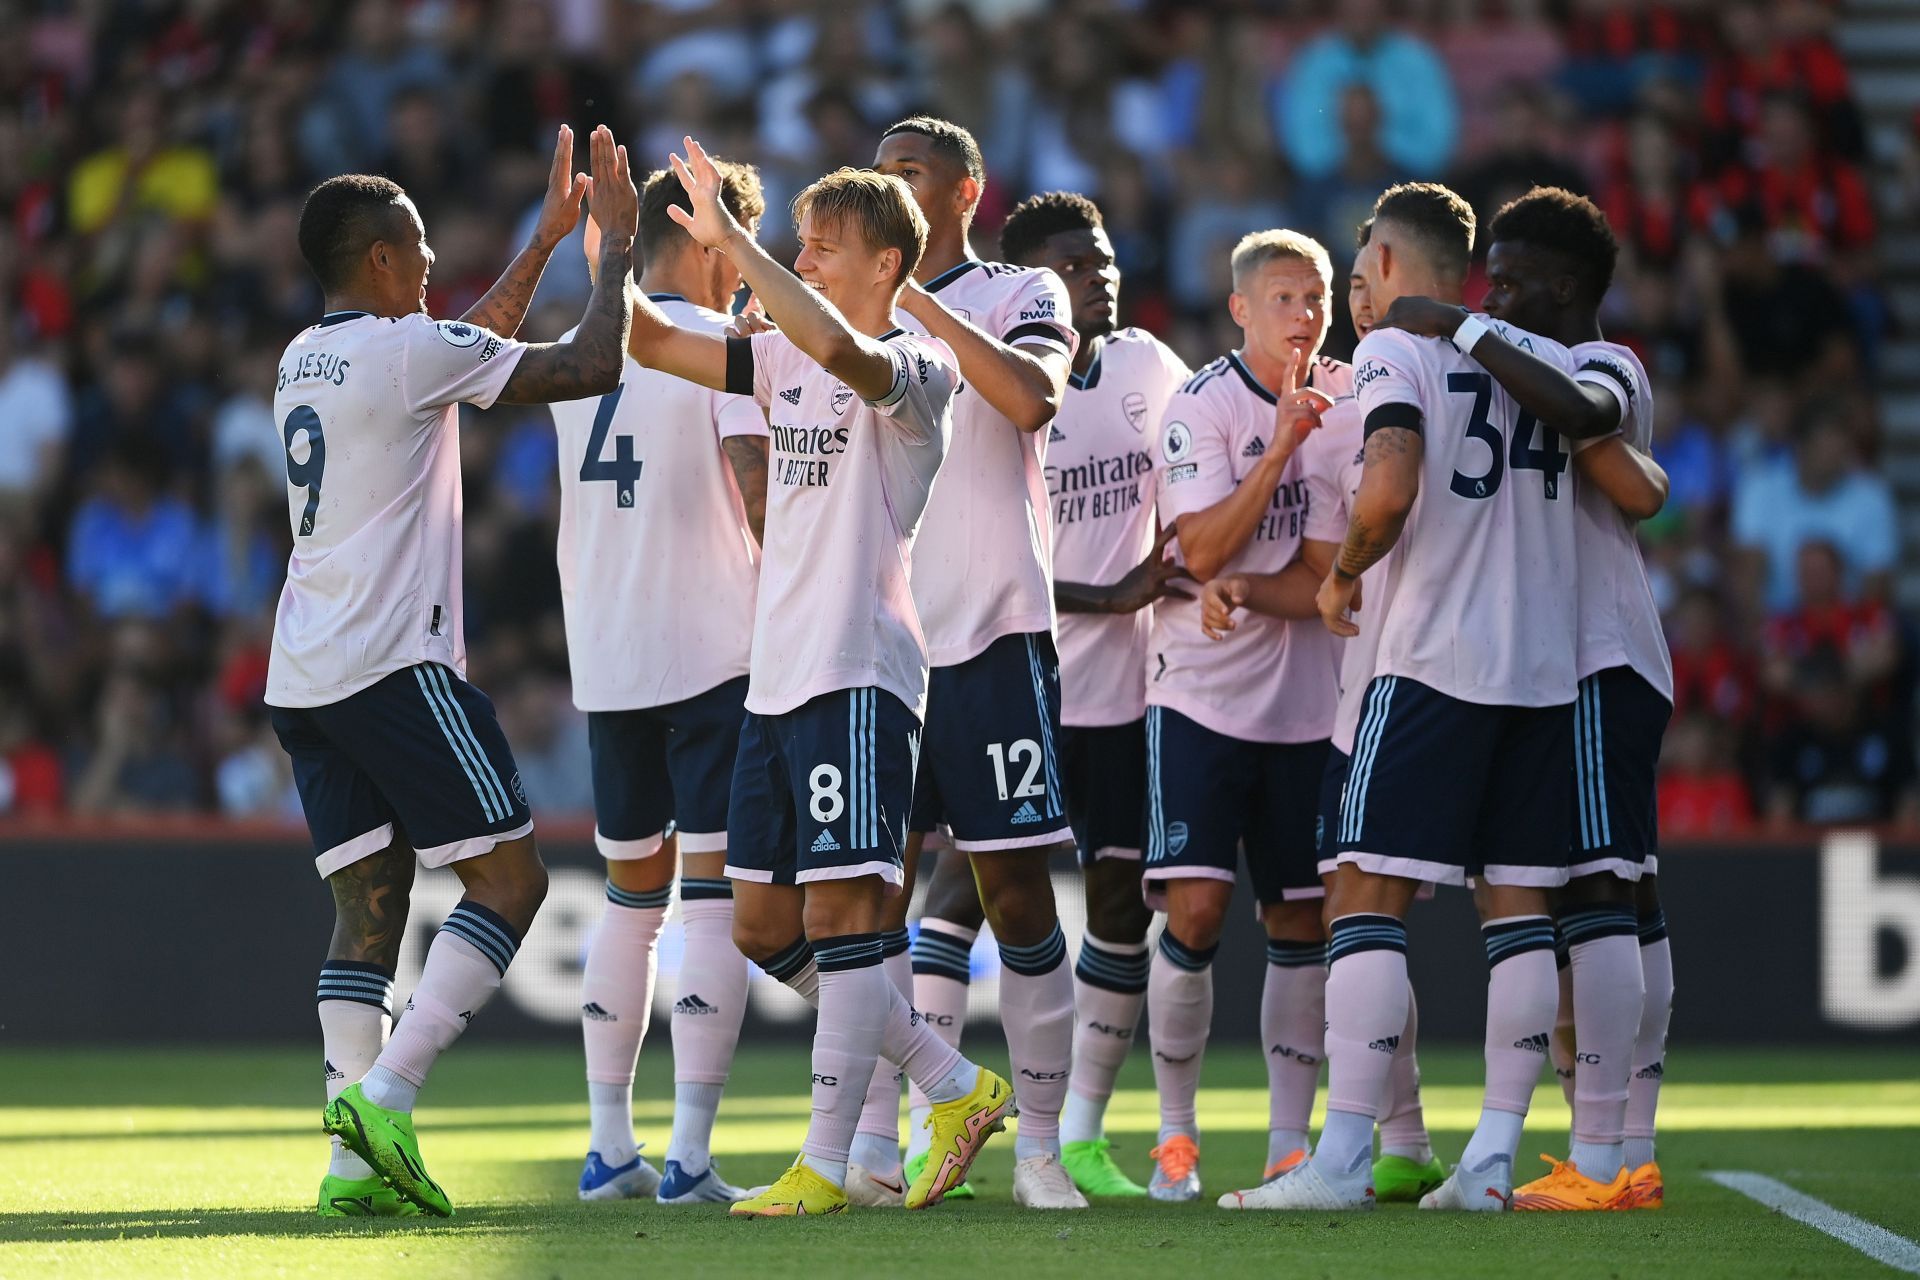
(1520, 455)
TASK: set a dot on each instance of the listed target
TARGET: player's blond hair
(1257, 248)
(877, 205)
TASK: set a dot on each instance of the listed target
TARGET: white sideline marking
(1876, 1242)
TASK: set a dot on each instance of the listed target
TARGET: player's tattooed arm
(370, 906)
(1025, 383)
(747, 455)
(505, 305)
(591, 364)
(1389, 484)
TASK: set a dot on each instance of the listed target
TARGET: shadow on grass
(166, 1224)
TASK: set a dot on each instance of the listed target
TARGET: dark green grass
(171, 1162)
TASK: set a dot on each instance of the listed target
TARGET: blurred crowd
(153, 155)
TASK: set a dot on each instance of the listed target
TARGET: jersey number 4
(623, 468)
(306, 475)
(1520, 455)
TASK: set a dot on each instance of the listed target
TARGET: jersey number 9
(306, 475)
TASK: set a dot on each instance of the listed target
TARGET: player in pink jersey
(1236, 732)
(1292, 1008)
(1549, 265)
(1458, 764)
(659, 561)
(859, 417)
(990, 772)
(397, 758)
(1109, 570)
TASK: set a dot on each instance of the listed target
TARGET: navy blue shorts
(665, 770)
(1441, 789)
(1209, 795)
(822, 792)
(418, 756)
(1333, 786)
(991, 769)
(1618, 724)
(1104, 768)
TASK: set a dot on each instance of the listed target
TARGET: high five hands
(612, 200)
(710, 221)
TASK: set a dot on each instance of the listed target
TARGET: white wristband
(1471, 330)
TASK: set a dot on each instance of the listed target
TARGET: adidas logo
(1055, 435)
(598, 1014)
(825, 843)
(791, 395)
(332, 1072)
(1653, 1072)
(1386, 1044)
(1255, 448)
(1535, 1043)
(1025, 813)
(694, 1006)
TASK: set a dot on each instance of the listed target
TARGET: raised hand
(1422, 317)
(710, 221)
(1300, 407)
(560, 211)
(1219, 601)
(612, 200)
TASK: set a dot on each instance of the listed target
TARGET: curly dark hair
(1568, 224)
(1036, 218)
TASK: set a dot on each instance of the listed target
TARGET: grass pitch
(204, 1163)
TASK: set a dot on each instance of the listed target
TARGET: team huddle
(919, 567)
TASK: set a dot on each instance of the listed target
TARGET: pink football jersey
(1100, 476)
(1269, 680)
(983, 565)
(1480, 599)
(1333, 458)
(658, 566)
(1619, 620)
(369, 412)
(847, 482)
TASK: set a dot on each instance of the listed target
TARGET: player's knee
(952, 894)
(759, 939)
(1115, 910)
(1297, 921)
(1595, 890)
(1018, 899)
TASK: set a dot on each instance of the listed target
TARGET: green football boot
(384, 1139)
(911, 1170)
(363, 1198)
(1398, 1179)
(1091, 1166)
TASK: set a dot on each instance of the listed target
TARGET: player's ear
(966, 194)
(889, 266)
(1237, 308)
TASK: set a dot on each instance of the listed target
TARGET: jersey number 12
(623, 468)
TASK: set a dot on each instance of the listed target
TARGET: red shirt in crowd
(1706, 804)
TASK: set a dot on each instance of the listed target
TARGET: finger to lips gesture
(1300, 405)
(709, 221)
(614, 204)
(560, 211)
